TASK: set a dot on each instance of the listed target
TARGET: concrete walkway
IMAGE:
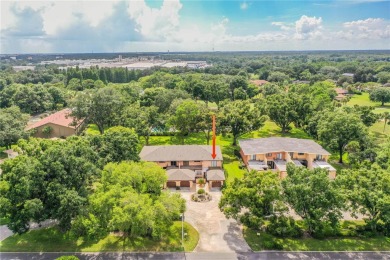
(217, 234)
(6, 232)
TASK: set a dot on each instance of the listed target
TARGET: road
(271, 255)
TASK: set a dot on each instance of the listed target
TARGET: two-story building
(274, 153)
(187, 163)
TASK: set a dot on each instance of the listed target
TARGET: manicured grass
(270, 129)
(92, 129)
(52, 240)
(364, 100)
(263, 241)
(4, 221)
(377, 130)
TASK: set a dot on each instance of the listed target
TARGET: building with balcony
(274, 153)
(185, 164)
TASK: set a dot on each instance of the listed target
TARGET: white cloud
(308, 27)
(283, 26)
(244, 6)
(371, 28)
(156, 23)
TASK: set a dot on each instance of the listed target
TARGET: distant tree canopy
(12, 124)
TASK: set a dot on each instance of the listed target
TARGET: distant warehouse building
(59, 125)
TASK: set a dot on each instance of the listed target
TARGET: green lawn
(265, 241)
(379, 132)
(52, 240)
(4, 221)
(364, 100)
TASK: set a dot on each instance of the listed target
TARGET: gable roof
(61, 118)
(215, 175)
(165, 153)
(180, 175)
(280, 144)
(341, 91)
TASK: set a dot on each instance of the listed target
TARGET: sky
(192, 25)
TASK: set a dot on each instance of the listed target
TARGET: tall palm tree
(386, 117)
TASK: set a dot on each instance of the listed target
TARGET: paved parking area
(217, 234)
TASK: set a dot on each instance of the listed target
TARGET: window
(253, 157)
(173, 163)
(279, 156)
(268, 154)
(319, 157)
(196, 161)
(213, 163)
(186, 163)
(301, 154)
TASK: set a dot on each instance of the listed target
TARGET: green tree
(128, 198)
(386, 119)
(12, 124)
(100, 107)
(336, 129)
(186, 117)
(313, 196)
(144, 120)
(380, 94)
(116, 144)
(366, 114)
(281, 109)
(47, 130)
(252, 199)
(368, 191)
(278, 77)
(240, 117)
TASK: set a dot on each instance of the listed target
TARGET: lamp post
(182, 230)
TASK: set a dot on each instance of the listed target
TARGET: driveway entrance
(216, 233)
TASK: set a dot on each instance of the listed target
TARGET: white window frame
(214, 163)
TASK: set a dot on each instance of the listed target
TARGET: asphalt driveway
(217, 234)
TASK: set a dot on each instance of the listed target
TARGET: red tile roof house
(61, 123)
(185, 164)
(275, 152)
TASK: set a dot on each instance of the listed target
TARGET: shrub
(201, 191)
(201, 181)
(68, 257)
(283, 226)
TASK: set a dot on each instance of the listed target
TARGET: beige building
(275, 152)
(185, 164)
(59, 124)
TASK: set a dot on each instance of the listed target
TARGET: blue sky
(192, 25)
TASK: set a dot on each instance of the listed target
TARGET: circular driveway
(216, 233)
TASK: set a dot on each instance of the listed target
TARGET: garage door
(217, 184)
(171, 184)
(184, 184)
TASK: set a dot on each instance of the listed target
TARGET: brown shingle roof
(168, 153)
(180, 175)
(61, 118)
(215, 175)
(280, 144)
